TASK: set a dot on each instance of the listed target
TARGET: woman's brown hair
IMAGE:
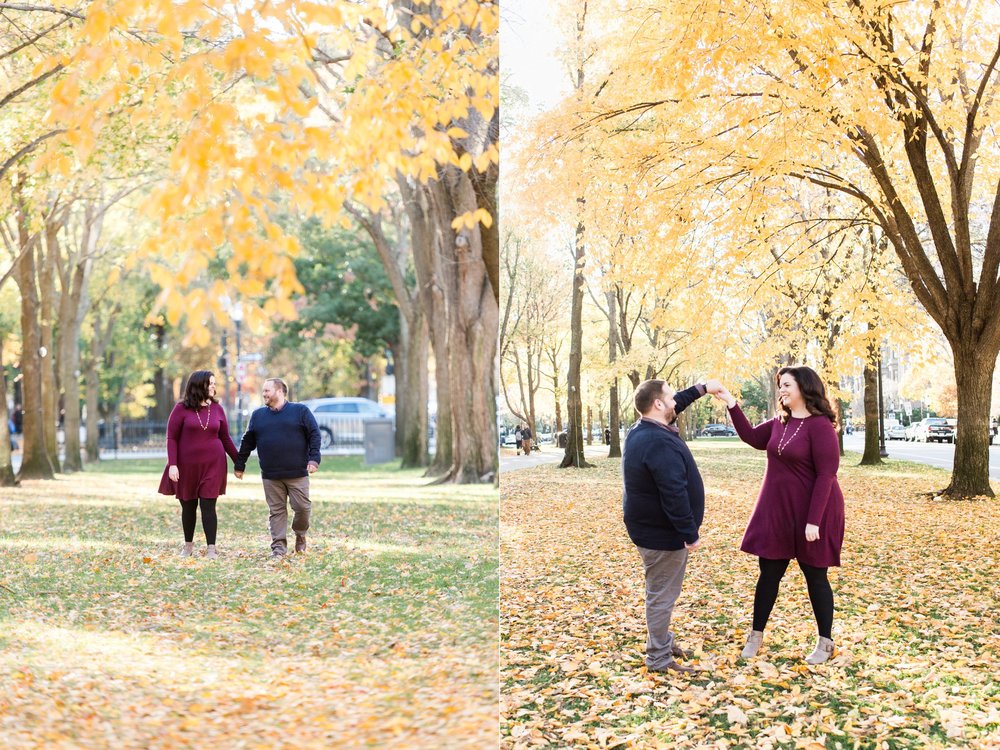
(196, 391)
(813, 392)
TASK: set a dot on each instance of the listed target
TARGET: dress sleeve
(756, 437)
(174, 425)
(225, 437)
(826, 460)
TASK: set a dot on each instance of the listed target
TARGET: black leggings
(209, 521)
(820, 594)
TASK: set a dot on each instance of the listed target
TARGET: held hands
(812, 532)
(173, 473)
(239, 474)
(312, 466)
(720, 391)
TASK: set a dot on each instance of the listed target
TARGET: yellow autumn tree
(307, 104)
(721, 109)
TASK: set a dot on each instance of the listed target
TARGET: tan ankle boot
(188, 549)
(752, 646)
(823, 651)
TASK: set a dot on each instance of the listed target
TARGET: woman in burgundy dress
(197, 443)
(800, 509)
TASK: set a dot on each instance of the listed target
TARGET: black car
(718, 430)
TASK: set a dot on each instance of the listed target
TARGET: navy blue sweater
(286, 441)
(664, 498)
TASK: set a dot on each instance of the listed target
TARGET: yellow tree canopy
(306, 104)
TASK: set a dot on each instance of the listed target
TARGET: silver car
(341, 419)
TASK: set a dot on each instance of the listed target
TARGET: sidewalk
(549, 454)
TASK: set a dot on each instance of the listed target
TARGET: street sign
(241, 373)
(251, 357)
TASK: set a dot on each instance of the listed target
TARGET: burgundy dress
(197, 444)
(800, 487)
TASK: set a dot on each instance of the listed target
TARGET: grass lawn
(383, 634)
(917, 625)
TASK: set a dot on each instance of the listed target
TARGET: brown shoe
(681, 653)
(675, 667)
(300, 543)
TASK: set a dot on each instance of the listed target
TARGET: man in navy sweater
(663, 503)
(286, 437)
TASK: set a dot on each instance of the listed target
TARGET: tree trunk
(163, 392)
(412, 389)
(614, 444)
(93, 389)
(48, 297)
(427, 238)
(974, 377)
(574, 405)
(35, 463)
(872, 455)
(473, 320)
(73, 304)
(7, 478)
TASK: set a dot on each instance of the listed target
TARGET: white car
(342, 419)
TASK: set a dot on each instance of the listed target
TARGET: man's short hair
(646, 393)
(280, 384)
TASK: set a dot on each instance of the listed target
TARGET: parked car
(896, 432)
(718, 430)
(911, 432)
(934, 428)
(341, 419)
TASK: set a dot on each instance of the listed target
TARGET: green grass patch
(393, 608)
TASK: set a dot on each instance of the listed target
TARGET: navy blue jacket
(286, 441)
(664, 498)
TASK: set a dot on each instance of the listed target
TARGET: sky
(528, 45)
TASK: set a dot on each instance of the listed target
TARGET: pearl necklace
(208, 419)
(784, 430)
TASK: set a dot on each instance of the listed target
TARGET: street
(933, 454)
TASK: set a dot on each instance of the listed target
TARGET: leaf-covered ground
(382, 634)
(916, 623)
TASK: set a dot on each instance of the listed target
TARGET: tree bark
(614, 444)
(872, 456)
(48, 297)
(98, 346)
(974, 377)
(411, 379)
(74, 274)
(574, 403)
(35, 461)
(411, 366)
(473, 319)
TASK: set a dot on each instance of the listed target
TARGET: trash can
(380, 441)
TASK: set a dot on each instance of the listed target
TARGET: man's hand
(812, 532)
(312, 466)
(695, 545)
(239, 474)
(173, 473)
(713, 386)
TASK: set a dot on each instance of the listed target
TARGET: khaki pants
(279, 493)
(664, 576)
(526, 444)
